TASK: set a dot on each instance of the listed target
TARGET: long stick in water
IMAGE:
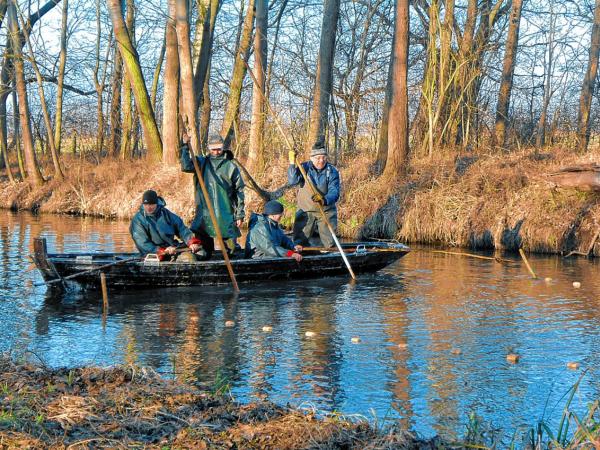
(307, 179)
(522, 253)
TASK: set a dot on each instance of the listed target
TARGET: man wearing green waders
(226, 191)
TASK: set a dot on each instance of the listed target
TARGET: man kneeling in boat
(154, 228)
(266, 239)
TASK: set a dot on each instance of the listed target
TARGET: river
(434, 332)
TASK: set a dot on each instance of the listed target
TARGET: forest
(428, 107)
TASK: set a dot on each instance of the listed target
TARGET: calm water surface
(434, 329)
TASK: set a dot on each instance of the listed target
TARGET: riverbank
(132, 407)
(482, 201)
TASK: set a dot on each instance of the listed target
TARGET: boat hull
(123, 272)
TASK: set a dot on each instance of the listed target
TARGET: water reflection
(434, 329)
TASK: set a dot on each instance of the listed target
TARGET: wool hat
(150, 198)
(318, 149)
(273, 207)
(215, 141)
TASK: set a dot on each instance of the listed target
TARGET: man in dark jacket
(326, 178)
(226, 190)
(266, 239)
(154, 227)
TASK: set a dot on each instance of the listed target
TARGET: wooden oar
(302, 171)
(75, 275)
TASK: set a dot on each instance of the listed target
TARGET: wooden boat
(130, 270)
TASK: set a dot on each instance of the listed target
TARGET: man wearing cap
(226, 190)
(326, 179)
(266, 239)
(154, 227)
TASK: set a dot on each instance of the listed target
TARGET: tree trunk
(239, 72)
(131, 62)
(115, 104)
(256, 157)
(126, 106)
(205, 31)
(587, 89)
(205, 113)
(99, 85)
(382, 143)
(157, 69)
(508, 69)
(17, 136)
(62, 63)
(58, 174)
(33, 170)
(540, 138)
(179, 10)
(398, 123)
(324, 75)
(170, 127)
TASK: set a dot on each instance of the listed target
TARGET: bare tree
(256, 157)
(587, 88)
(508, 69)
(134, 74)
(62, 64)
(324, 76)
(170, 128)
(398, 123)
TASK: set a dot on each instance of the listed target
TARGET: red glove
(193, 241)
(162, 253)
(289, 253)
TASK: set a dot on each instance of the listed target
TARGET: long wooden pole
(302, 171)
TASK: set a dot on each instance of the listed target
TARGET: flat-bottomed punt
(130, 270)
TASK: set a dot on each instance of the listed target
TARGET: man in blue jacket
(326, 179)
(266, 239)
(154, 227)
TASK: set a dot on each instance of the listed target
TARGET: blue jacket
(153, 231)
(326, 180)
(266, 239)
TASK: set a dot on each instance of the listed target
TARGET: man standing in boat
(266, 239)
(326, 179)
(154, 227)
(226, 190)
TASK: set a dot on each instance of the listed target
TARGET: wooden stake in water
(104, 291)
(522, 253)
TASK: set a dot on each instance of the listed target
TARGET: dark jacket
(266, 239)
(150, 232)
(225, 187)
(326, 180)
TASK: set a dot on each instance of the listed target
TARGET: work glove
(318, 198)
(292, 156)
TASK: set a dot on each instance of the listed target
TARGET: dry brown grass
(135, 408)
(501, 201)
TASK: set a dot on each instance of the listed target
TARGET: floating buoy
(267, 329)
(403, 345)
(230, 323)
(547, 279)
(573, 365)
(310, 334)
(456, 351)
(355, 340)
(512, 358)
(576, 284)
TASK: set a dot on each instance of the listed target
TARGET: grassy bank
(486, 201)
(135, 408)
